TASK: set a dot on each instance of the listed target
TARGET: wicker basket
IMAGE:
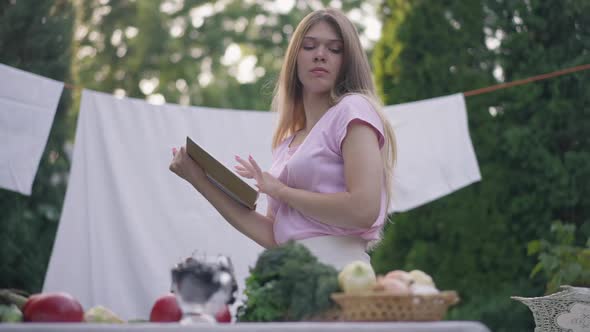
(331, 315)
(380, 306)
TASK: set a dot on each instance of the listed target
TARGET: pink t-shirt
(317, 165)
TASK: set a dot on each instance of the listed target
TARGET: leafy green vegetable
(10, 313)
(288, 284)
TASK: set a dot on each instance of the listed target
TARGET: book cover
(222, 177)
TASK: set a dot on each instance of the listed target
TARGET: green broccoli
(288, 284)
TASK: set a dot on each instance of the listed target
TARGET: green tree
(560, 259)
(188, 52)
(35, 36)
(529, 141)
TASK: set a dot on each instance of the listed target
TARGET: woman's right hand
(185, 167)
(265, 182)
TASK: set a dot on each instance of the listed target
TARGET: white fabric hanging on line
(435, 156)
(27, 107)
(127, 219)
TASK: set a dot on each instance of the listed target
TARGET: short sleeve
(356, 109)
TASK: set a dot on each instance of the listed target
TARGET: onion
(357, 277)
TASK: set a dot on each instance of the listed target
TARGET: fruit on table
(224, 315)
(421, 277)
(53, 307)
(100, 314)
(392, 286)
(400, 282)
(30, 300)
(166, 309)
(400, 275)
(422, 289)
(357, 277)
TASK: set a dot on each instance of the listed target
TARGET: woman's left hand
(185, 167)
(266, 183)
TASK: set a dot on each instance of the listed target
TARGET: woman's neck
(314, 105)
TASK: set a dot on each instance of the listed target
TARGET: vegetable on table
(165, 309)
(357, 277)
(288, 284)
(53, 307)
(10, 313)
(100, 314)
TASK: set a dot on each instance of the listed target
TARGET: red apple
(166, 309)
(223, 315)
(53, 307)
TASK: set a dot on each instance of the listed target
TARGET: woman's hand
(266, 183)
(184, 166)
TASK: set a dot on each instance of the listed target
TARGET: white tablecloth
(444, 326)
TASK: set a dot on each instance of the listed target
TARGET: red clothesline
(495, 87)
(525, 80)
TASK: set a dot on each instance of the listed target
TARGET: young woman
(333, 150)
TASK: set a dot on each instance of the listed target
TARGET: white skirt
(337, 250)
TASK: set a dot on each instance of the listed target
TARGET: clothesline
(526, 80)
(490, 88)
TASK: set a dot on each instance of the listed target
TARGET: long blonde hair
(354, 78)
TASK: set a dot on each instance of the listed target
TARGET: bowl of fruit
(395, 296)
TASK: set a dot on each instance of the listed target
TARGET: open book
(222, 177)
